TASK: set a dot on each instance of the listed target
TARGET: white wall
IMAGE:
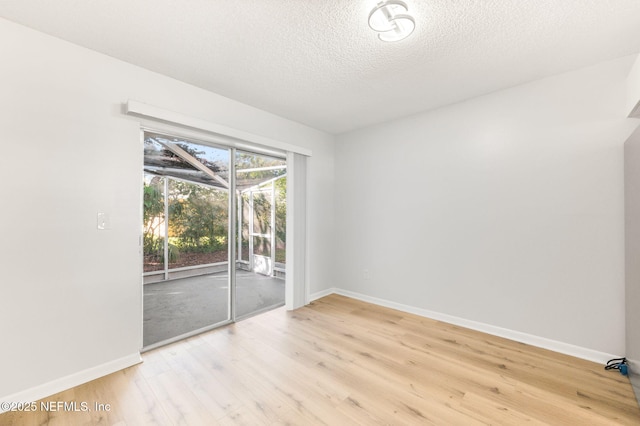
(506, 210)
(71, 295)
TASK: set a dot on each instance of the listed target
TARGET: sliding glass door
(207, 261)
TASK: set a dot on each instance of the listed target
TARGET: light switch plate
(104, 221)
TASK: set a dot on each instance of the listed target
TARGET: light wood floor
(344, 362)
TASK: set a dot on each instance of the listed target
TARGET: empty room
(307, 213)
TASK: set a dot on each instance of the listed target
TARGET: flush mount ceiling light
(391, 20)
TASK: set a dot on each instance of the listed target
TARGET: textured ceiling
(318, 63)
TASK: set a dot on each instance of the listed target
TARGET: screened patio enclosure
(188, 221)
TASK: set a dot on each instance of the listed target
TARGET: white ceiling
(317, 61)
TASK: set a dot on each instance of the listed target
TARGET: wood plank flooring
(339, 361)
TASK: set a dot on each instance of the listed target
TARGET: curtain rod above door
(233, 137)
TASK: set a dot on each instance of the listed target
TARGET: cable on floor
(618, 364)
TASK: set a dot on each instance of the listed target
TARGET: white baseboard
(541, 342)
(72, 380)
(321, 294)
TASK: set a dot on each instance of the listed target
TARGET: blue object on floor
(624, 370)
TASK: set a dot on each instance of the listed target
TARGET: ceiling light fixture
(391, 20)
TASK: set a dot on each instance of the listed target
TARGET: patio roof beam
(193, 161)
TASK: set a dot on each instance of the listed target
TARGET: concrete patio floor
(173, 308)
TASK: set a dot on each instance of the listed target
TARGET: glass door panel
(259, 287)
(186, 236)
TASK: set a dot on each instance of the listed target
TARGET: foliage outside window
(198, 225)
